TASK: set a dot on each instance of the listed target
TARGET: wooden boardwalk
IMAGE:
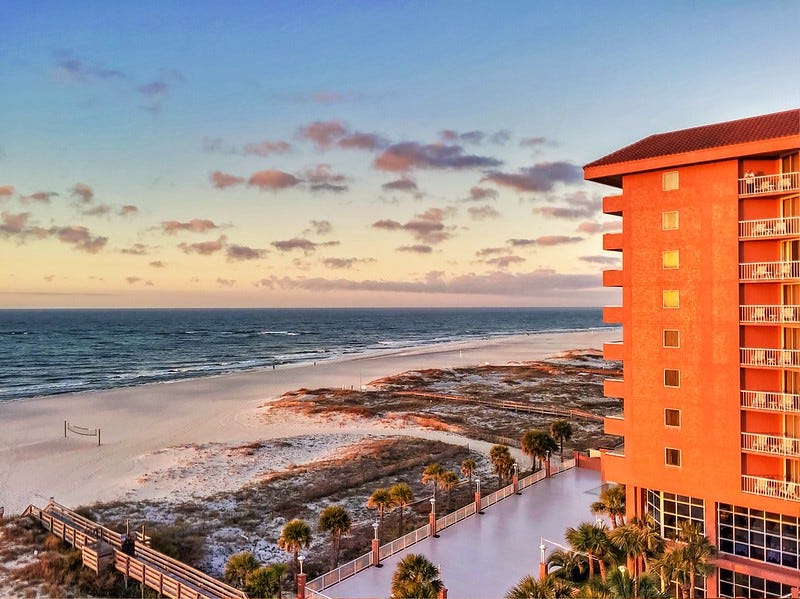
(101, 547)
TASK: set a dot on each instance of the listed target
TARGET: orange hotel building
(710, 317)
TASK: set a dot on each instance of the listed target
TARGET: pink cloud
(99, 210)
(137, 249)
(272, 179)
(401, 184)
(40, 196)
(540, 177)
(505, 261)
(157, 264)
(490, 252)
(404, 156)
(321, 227)
(340, 263)
(196, 225)
(204, 248)
(80, 237)
(222, 180)
(478, 194)
(592, 227)
(6, 191)
(550, 240)
(323, 134)
(266, 148)
(82, 191)
(13, 224)
(362, 141)
(226, 282)
(296, 243)
(237, 253)
(427, 227)
(128, 210)
(483, 212)
(416, 249)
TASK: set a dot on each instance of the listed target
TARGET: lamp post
(478, 496)
(301, 579)
(542, 562)
(376, 546)
(433, 518)
(547, 465)
(515, 478)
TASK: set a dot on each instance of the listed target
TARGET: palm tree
(652, 541)
(416, 576)
(266, 581)
(628, 539)
(591, 539)
(468, 468)
(239, 566)
(335, 520)
(621, 585)
(549, 586)
(502, 462)
(295, 535)
(448, 481)
(611, 504)
(432, 475)
(538, 445)
(381, 500)
(568, 565)
(402, 496)
(693, 555)
(562, 430)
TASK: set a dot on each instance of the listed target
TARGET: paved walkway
(485, 555)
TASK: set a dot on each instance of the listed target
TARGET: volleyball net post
(81, 430)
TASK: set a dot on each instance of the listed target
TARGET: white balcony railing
(763, 356)
(771, 487)
(771, 444)
(764, 184)
(769, 227)
(769, 271)
(769, 314)
(771, 401)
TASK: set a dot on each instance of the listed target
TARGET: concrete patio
(485, 555)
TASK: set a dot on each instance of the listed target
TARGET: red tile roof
(757, 128)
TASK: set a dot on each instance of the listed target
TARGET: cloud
(157, 264)
(296, 243)
(579, 205)
(49, 278)
(323, 134)
(6, 191)
(595, 227)
(505, 261)
(544, 241)
(404, 156)
(154, 92)
(483, 212)
(204, 248)
(427, 227)
(603, 260)
(540, 177)
(196, 225)
(490, 252)
(40, 196)
(479, 194)
(83, 192)
(416, 249)
(475, 137)
(222, 180)
(128, 210)
(237, 253)
(226, 282)
(72, 70)
(362, 141)
(133, 280)
(13, 224)
(272, 179)
(401, 184)
(99, 210)
(137, 249)
(80, 237)
(321, 227)
(532, 141)
(322, 179)
(341, 263)
(266, 148)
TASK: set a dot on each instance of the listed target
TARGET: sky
(333, 154)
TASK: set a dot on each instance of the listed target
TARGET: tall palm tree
(591, 539)
(502, 462)
(568, 565)
(611, 504)
(381, 499)
(628, 539)
(549, 586)
(448, 481)
(295, 535)
(621, 585)
(652, 541)
(402, 496)
(239, 566)
(538, 445)
(694, 552)
(432, 475)
(468, 468)
(335, 520)
(562, 430)
(416, 576)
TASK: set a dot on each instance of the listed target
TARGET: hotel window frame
(673, 411)
(674, 453)
(671, 299)
(674, 332)
(670, 181)
(670, 220)
(673, 372)
(670, 259)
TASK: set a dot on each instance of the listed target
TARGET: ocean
(48, 352)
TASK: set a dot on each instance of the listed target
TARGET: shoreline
(138, 422)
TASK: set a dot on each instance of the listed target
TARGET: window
(669, 220)
(672, 457)
(739, 584)
(672, 417)
(670, 259)
(672, 338)
(755, 534)
(671, 298)
(669, 180)
(672, 378)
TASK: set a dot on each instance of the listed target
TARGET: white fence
(769, 271)
(769, 227)
(763, 356)
(769, 313)
(772, 444)
(771, 401)
(770, 487)
(750, 186)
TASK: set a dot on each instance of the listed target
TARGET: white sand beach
(159, 427)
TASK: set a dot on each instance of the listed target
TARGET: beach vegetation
(180, 540)
(335, 521)
(296, 535)
(402, 496)
(538, 445)
(416, 576)
(266, 581)
(468, 468)
(502, 462)
(561, 430)
(381, 500)
(238, 567)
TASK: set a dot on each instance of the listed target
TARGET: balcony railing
(762, 356)
(771, 401)
(769, 271)
(770, 487)
(765, 184)
(769, 314)
(771, 444)
(769, 227)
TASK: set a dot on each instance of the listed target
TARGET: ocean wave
(284, 333)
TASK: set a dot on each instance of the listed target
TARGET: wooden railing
(771, 487)
(771, 357)
(769, 314)
(765, 184)
(771, 444)
(771, 401)
(769, 271)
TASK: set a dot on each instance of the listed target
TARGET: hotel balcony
(612, 242)
(763, 357)
(612, 205)
(613, 350)
(767, 228)
(769, 184)
(771, 487)
(614, 425)
(614, 388)
(762, 272)
(769, 314)
(774, 445)
(612, 314)
(612, 278)
(771, 401)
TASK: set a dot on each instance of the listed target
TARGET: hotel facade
(710, 315)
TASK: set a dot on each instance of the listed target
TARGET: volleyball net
(81, 430)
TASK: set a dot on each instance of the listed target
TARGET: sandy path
(37, 462)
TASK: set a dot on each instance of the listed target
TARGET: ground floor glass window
(759, 535)
(737, 584)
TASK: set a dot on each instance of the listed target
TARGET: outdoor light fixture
(375, 526)
(541, 549)
(301, 558)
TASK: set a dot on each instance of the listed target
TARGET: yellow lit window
(672, 457)
(670, 259)
(671, 298)
(672, 417)
(669, 180)
(672, 378)
(669, 220)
